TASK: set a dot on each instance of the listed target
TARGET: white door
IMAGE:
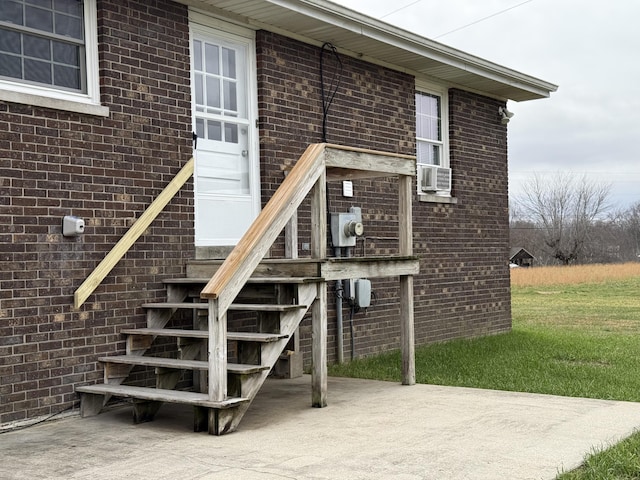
(226, 177)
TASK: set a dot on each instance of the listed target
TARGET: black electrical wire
(42, 420)
(328, 94)
(327, 100)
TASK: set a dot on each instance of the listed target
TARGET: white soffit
(364, 37)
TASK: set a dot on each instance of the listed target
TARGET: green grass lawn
(578, 340)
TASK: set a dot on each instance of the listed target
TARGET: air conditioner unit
(433, 178)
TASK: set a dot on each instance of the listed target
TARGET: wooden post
(319, 338)
(217, 352)
(319, 311)
(407, 333)
(291, 237)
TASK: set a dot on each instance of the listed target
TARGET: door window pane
(213, 92)
(212, 58)
(197, 55)
(199, 89)
(214, 130)
(231, 133)
(200, 128)
(228, 63)
(230, 96)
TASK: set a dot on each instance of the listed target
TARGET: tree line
(565, 219)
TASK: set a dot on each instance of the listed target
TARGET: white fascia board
(339, 16)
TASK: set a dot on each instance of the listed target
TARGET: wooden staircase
(231, 365)
(256, 352)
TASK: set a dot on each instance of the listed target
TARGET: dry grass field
(571, 275)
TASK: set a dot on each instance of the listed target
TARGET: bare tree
(564, 207)
(630, 220)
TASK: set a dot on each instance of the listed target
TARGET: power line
(401, 8)
(481, 20)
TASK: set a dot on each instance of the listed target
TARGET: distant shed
(522, 258)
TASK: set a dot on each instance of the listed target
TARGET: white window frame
(52, 97)
(443, 93)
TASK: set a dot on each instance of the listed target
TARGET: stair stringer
(228, 420)
(155, 319)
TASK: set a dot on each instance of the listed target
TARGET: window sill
(55, 103)
(433, 198)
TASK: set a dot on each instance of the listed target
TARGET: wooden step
(247, 307)
(160, 362)
(175, 332)
(276, 268)
(159, 395)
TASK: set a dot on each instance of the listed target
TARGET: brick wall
(106, 171)
(463, 287)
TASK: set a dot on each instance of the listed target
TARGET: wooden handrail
(129, 238)
(229, 279)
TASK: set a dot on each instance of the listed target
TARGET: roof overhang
(360, 36)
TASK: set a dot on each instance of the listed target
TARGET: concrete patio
(370, 430)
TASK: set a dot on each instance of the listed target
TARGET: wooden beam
(405, 215)
(129, 238)
(355, 267)
(407, 330)
(375, 163)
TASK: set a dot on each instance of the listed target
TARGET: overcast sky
(589, 48)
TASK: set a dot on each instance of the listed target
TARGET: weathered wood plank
(291, 237)
(372, 162)
(90, 404)
(337, 269)
(183, 333)
(245, 307)
(405, 215)
(160, 362)
(319, 375)
(407, 330)
(264, 271)
(217, 352)
(153, 394)
(129, 238)
(154, 362)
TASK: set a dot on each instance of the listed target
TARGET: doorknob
(245, 153)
